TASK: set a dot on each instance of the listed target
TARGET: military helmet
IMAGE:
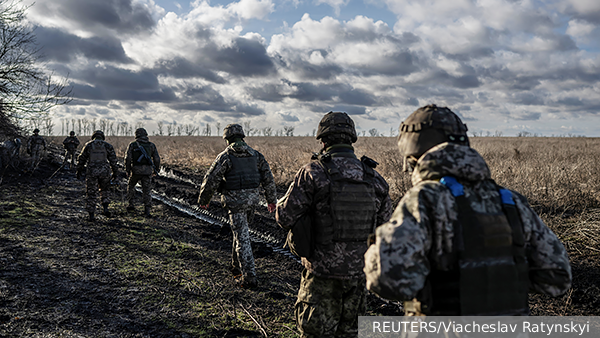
(36, 130)
(336, 123)
(72, 133)
(232, 130)
(429, 126)
(140, 132)
(98, 134)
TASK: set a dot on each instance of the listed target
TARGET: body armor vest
(352, 204)
(97, 152)
(490, 275)
(243, 174)
(138, 154)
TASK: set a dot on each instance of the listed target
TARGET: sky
(504, 66)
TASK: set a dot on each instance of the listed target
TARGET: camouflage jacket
(71, 143)
(35, 142)
(243, 199)
(420, 231)
(98, 169)
(141, 169)
(343, 260)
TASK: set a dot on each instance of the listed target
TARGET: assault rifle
(145, 154)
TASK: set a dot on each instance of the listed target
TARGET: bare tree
(159, 126)
(207, 130)
(170, 129)
(218, 126)
(190, 129)
(93, 125)
(373, 132)
(179, 129)
(86, 126)
(28, 91)
(48, 126)
(288, 130)
(267, 131)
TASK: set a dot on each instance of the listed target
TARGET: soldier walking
(70, 144)
(458, 243)
(346, 199)
(141, 162)
(35, 145)
(237, 173)
(99, 157)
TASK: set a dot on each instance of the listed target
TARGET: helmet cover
(336, 123)
(232, 130)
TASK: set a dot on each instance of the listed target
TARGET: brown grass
(556, 174)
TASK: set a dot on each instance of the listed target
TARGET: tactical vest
(97, 152)
(490, 275)
(243, 174)
(352, 205)
(138, 155)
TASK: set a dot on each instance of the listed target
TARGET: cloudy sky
(502, 65)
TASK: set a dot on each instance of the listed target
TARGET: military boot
(147, 212)
(105, 212)
(249, 282)
(91, 217)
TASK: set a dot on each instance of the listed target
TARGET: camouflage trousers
(71, 158)
(93, 185)
(146, 181)
(36, 157)
(241, 252)
(329, 307)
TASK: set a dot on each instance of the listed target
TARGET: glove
(271, 207)
(79, 173)
(205, 207)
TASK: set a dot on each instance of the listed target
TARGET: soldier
(347, 199)
(10, 152)
(457, 243)
(237, 173)
(70, 144)
(100, 158)
(141, 162)
(34, 148)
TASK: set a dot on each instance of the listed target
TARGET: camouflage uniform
(35, 145)
(239, 203)
(332, 288)
(420, 240)
(70, 144)
(9, 152)
(139, 168)
(98, 173)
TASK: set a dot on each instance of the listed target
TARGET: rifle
(145, 154)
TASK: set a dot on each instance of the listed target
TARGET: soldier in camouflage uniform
(70, 144)
(10, 152)
(237, 173)
(141, 162)
(346, 199)
(35, 145)
(100, 158)
(457, 243)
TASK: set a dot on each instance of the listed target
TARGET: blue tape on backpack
(506, 196)
(455, 188)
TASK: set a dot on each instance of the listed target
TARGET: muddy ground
(168, 276)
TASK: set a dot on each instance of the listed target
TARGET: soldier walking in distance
(141, 162)
(237, 173)
(458, 243)
(346, 199)
(35, 145)
(99, 157)
(70, 144)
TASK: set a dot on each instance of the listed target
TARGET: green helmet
(72, 133)
(336, 123)
(232, 130)
(140, 132)
(98, 134)
(36, 130)
(427, 127)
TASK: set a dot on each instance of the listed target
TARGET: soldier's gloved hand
(205, 207)
(271, 207)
